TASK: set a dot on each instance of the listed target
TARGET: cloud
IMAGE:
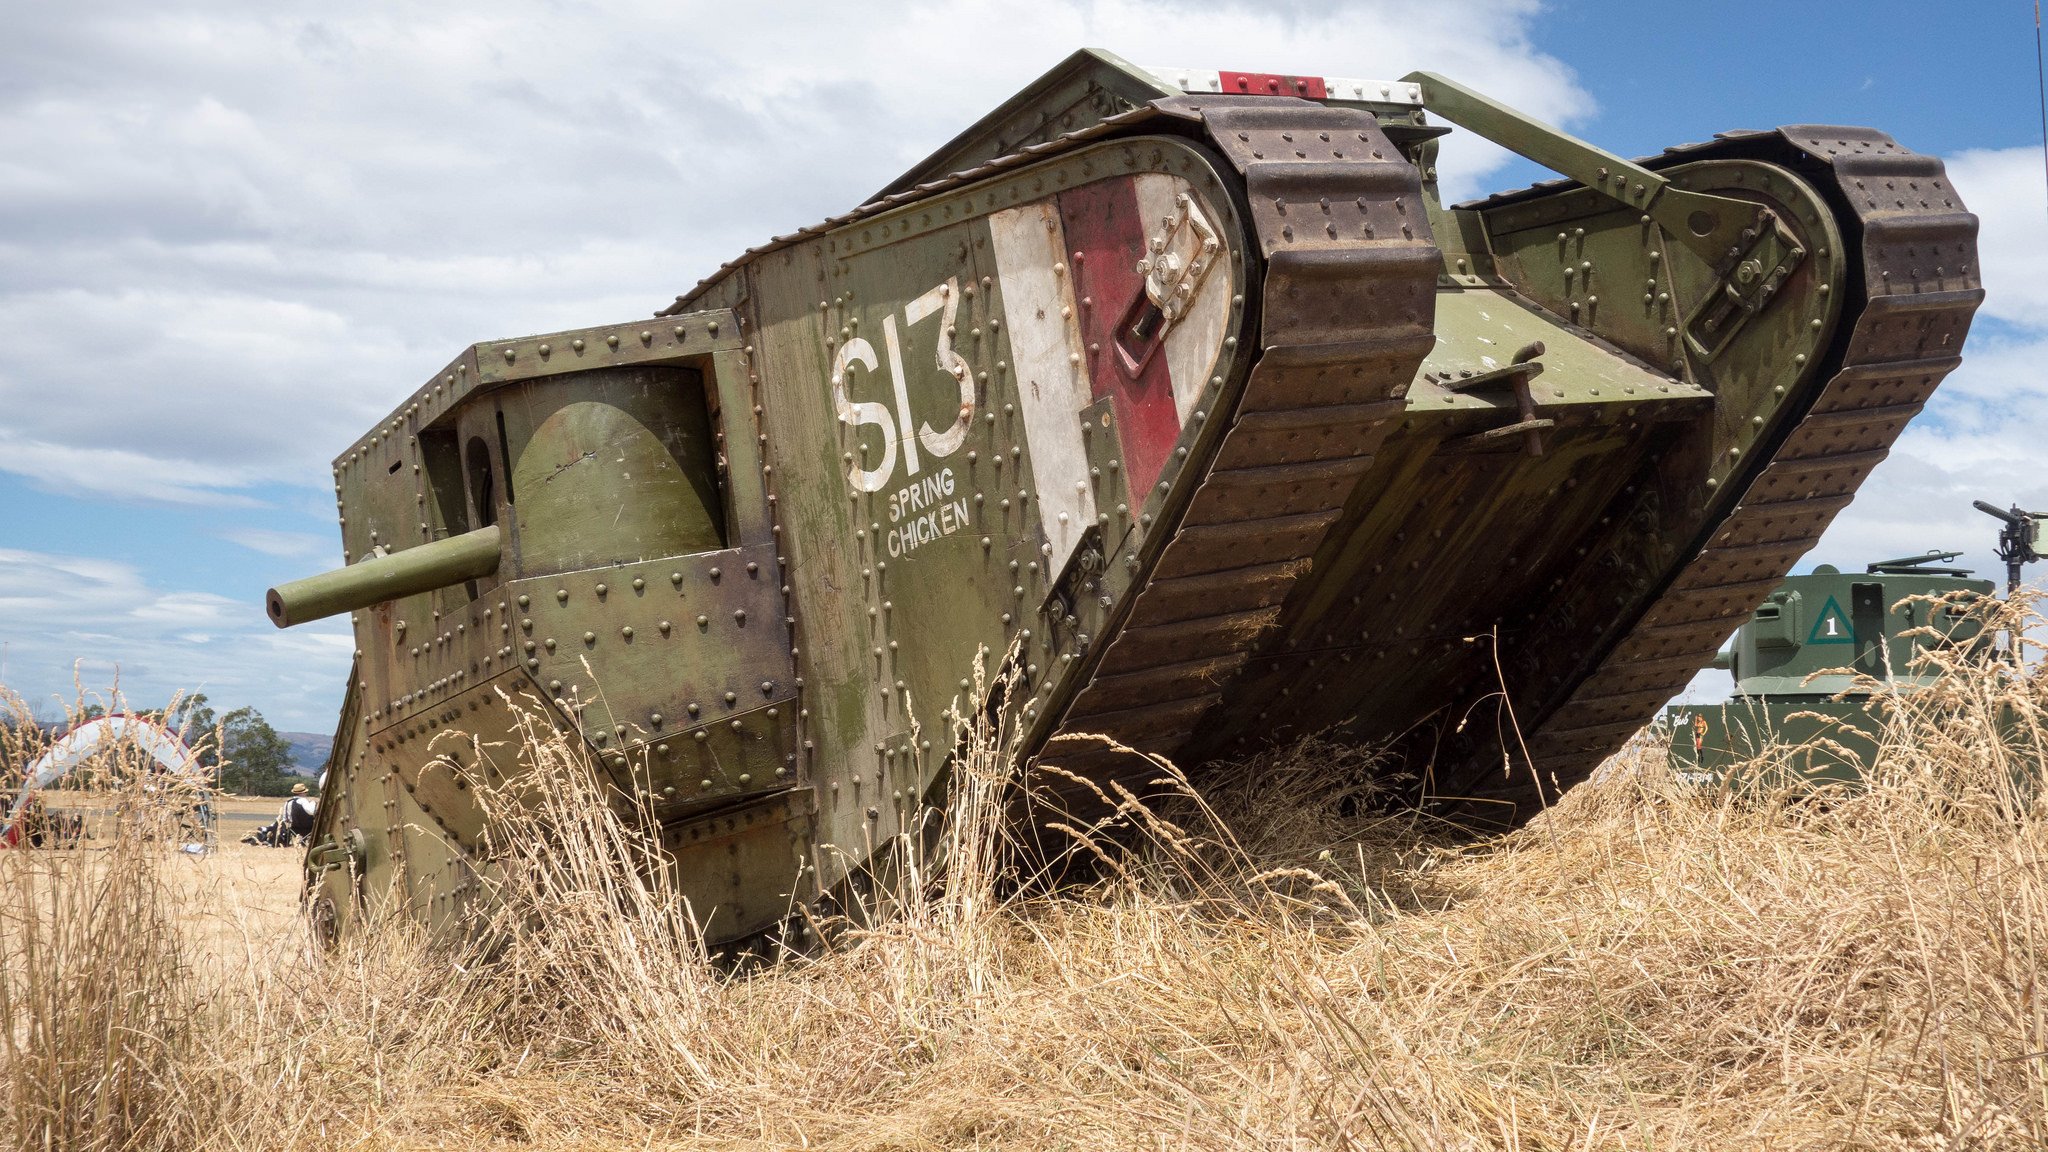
(237, 234)
(122, 474)
(2005, 188)
(107, 625)
(286, 545)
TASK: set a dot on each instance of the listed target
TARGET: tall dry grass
(1267, 963)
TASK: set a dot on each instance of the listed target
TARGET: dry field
(1643, 967)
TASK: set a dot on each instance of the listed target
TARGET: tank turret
(1188, 390)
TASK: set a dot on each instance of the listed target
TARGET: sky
(233, 235)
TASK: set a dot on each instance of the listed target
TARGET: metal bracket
(332, 853)
(1709, 225)
(1175, 263)
(1079, 581)
(1772, 253)
(1516, 376)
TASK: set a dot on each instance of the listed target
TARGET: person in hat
(299, 812)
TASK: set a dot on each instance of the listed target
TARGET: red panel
(1272, 84)
(1105, 239)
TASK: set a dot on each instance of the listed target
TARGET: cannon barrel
(382, 578)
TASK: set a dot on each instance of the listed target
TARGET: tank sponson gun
(377, 579)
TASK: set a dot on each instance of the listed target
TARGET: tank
(1186, 391)
(1816, 662)
(1813, 664)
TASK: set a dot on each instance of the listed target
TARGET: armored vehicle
(1185, 390)
(1818, 660)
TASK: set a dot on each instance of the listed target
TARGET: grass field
(1643, 967)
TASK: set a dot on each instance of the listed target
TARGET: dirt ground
(257, 888)
(251, 890)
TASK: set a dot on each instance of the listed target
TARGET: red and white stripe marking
(1069, 271)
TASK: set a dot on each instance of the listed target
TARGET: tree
(193, 719)
(253, 757)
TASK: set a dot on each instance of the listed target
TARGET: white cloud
(238, 234)
(287, 545)
(2006, 189)
(123, 474)
(107, 626)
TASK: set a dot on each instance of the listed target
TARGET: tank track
(1914, 292)
(1315, 408)
(1347, 315)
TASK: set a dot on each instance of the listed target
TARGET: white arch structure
(94, 738)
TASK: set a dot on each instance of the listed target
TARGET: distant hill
(309, 750)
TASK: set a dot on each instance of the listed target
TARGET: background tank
(1189, 388)
(1815, 661)
(1797, 658)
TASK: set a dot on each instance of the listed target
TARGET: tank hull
(1206, 415)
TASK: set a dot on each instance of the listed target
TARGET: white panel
(1192, 344)
(1045, 351)
(1373, 91)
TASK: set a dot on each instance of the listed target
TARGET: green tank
(1187, 389)
(1816, 662)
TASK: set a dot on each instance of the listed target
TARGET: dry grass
(1270, 966)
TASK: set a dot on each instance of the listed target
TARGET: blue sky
(232, 235)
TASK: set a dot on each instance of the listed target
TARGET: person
(299, 812)
(293, 824)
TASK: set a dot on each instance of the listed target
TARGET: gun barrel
(374, 581)
(1993, 510)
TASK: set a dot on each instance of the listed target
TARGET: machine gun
(2019, 542)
